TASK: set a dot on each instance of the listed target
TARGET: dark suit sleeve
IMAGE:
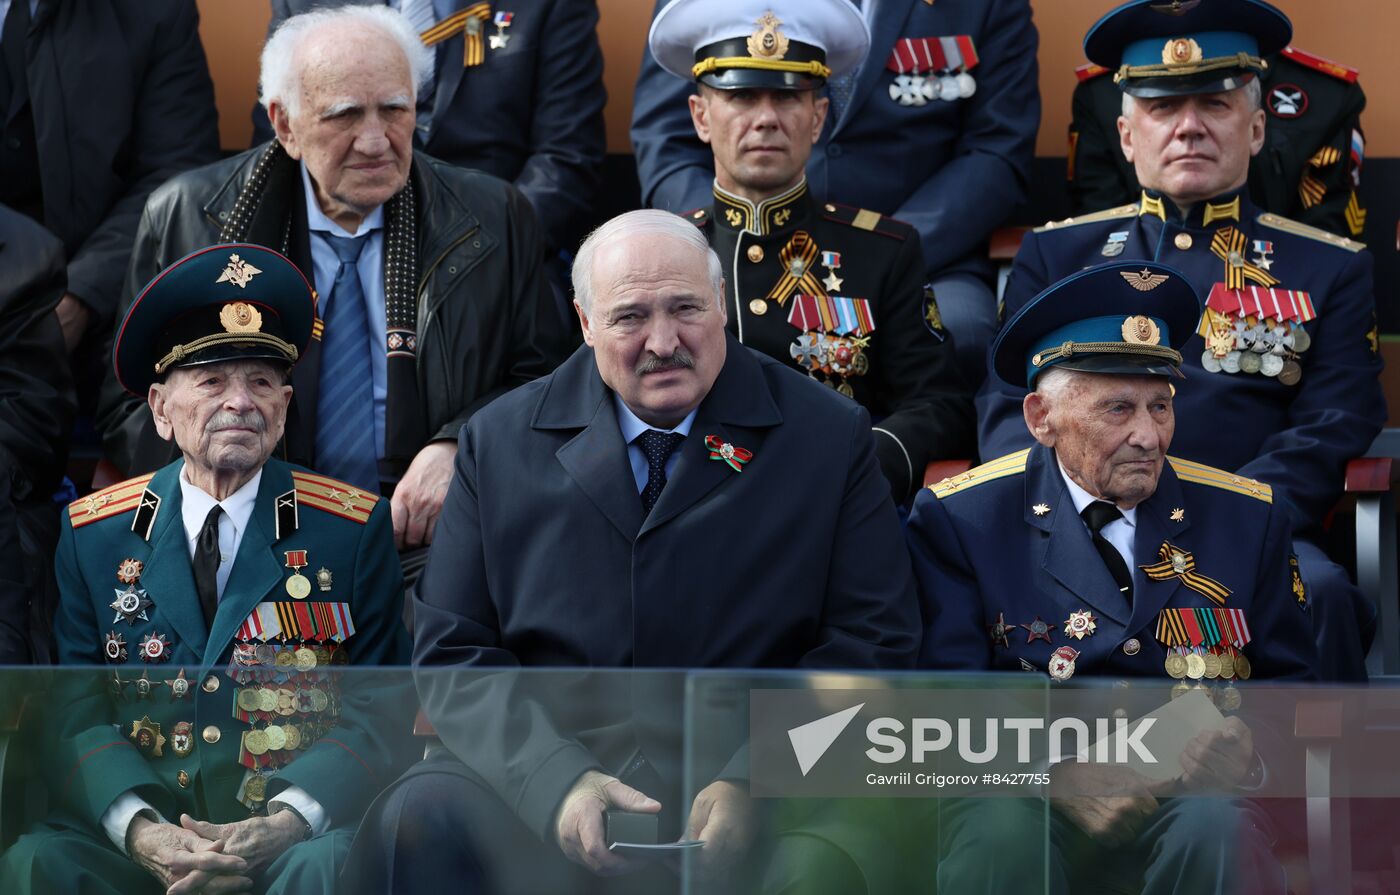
(1001, 427)
(957, 208)
(14, 595)
(487, 720)
(1283, 645)
(1338, 409)
(676, 170)
(917, 379)
(1097, 166)
(567, 133)
(1331, 213)
(36, 386)
(376, 705)
(174, 126)
(871, 620)
(538, 341)
(954, 632)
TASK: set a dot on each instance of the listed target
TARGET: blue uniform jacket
(954, 170)
(981, 550)
(1298, 437)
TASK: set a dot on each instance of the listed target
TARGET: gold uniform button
(1131, 646)
(183, 778)
(758, 307)
(755, 254)
(212, 734)
(211, 683)
(829, 207)
(1183, 241)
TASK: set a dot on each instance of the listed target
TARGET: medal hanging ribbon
(1205, 619)
(821, 313)
(1238, 629)
(467, 20)
(1228, 244)
(1170, 629)
(305, 621)
(286, 618)
(1193, 628)
(323, 621)
(345, 626)
(798, 258)
(268, 625)
(1180, 564)
(1261, 302)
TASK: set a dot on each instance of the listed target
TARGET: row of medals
(839, 358)
(916, 89)
(1254, 346)
(1198, 666)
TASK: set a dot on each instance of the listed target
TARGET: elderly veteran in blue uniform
(216, 750)
(1283, 361)
(833, 290)
(1096, 553)
(936, 128)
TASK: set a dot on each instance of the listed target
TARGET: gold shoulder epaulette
(865, 219)
(1201, 474)
(1269, 219)
(333, 496)
(1122, 211)
(1011, 464)
(113, 500)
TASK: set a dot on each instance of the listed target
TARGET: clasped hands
(197, 856)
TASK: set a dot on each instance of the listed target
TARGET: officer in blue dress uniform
(936, 128)
(833, 290)
(219, 593)
(1283, 363)
(1095, 553)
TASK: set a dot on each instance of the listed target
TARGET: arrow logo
(811, 740)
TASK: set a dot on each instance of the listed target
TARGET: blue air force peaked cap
(1180, 47)
(224, 302)
(1126, 319)
(759, 44)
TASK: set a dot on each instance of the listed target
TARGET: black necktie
(657, 446)
(1096, 515)
(12, 42)
(206, 564)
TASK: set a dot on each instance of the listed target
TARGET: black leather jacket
(486, 320)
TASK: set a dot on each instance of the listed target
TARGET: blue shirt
(632, 427)
(34, 6)
(371, 267)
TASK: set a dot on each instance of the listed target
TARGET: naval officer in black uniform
(834, 290)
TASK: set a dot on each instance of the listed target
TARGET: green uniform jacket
(93, 755)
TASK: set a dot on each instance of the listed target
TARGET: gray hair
(280, 73)
(1055, 382)
(1253, 94)
(646, 222)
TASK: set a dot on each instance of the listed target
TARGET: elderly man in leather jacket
(431, 297)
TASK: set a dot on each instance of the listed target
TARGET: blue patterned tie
(658, 447)
(345, 442)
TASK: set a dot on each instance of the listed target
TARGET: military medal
(276, 738)
(304, 659)
(114, 647)
(1176, 665)
(1212, 665)
(143, 685)
(999, 629)
(323, 578)
(1038, 629)
(1061, 665)
(1195, 666)
(1115, 245)
(255, 788)
(293, 736)
(129, 571)
(832, 262)
(1230, 699)
(179, 686)
(155, 648)
(146, 735)
(298, 587)
(255, 741)
(182, 738)
(131, 605)
(1080, 624)
(499, 40)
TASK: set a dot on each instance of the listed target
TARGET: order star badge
(1081, 624)
(1041, 509)
(832, 282)
(1178, 515)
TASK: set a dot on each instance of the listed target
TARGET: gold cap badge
(240, 317)
(768, 42)
(1145, 280)
(238, 272)
(1181, 51)
(1140, 330)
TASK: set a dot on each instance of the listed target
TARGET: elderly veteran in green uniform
(1094, 553)
(834, 290)
(216, 750)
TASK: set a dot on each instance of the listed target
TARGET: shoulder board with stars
(1089, 71)
(1269, 219)
(699, 217)
(1326, 66)
(114, 500)
(865, 219)
(1201, 474)
(333, 496)
(1112, 214)
(1011, 464)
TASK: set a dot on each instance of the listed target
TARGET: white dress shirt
(631, 427)
(325, 264)
(1119, 532)
(195, 505)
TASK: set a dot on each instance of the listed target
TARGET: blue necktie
(345, 442)
(658, 447)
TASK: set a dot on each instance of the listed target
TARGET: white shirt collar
(195, 504)
(632, 426)
(316, 219)
(1083, 498)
